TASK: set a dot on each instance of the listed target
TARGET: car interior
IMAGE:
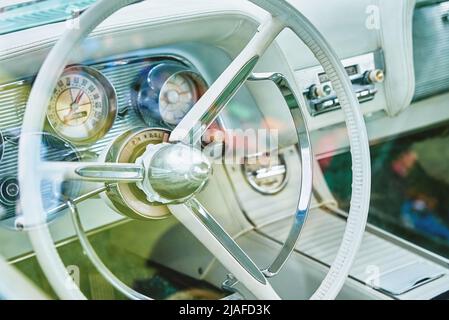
(224, 150)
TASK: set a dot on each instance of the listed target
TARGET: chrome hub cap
(174, 172)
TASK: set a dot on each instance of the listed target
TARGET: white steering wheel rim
(15, 286)
(52, 69)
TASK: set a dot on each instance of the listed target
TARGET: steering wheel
(164, 180)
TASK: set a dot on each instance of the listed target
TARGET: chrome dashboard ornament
(266, 173)
(166, 93)
(83, 107)
(127, 198)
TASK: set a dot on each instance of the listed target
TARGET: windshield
(21, 15)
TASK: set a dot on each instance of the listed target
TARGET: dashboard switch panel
(366, 73)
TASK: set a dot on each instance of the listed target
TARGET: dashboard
(116, 63)
(128, 100)
(91, 106)
(135, 78)
(115, 83)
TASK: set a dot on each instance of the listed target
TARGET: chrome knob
(375, 76)
(320, 91)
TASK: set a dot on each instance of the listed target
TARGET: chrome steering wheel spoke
(212, 235)
(193, 126)
(93, 171)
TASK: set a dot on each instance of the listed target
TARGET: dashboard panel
(101, 100)
(210, 50)
(366, 73)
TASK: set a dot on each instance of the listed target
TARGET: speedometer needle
(78, 97)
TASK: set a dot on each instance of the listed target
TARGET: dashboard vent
(431, 49)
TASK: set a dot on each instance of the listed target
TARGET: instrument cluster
(93, 105)
(84, 105)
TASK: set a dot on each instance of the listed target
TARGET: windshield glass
(21, 15)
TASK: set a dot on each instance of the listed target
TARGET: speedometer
(83, 106)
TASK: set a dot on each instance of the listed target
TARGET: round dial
(127, 198)
(266, 173)
(54, 191)
(83, 107)
(9, 191)
(178, 95)
(167, 92)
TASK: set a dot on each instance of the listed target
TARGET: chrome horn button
(174, 172)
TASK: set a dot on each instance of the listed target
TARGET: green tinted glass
(32, 14)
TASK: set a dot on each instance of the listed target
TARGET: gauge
(9, 191)
(127, 198)
(266, 173)
(2, 145)
(54, 192)
(178, 95)
(167, 92)
(83, 107)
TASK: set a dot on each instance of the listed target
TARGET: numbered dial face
(178, 95)
(83, 107)
(127, 198)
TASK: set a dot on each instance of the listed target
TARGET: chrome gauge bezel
(195, 79)
(8, 199)
(149, 87)
(52, 147)
(251, 181)
(128, 199)
(109, 100)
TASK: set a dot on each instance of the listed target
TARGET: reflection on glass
(410, 186)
